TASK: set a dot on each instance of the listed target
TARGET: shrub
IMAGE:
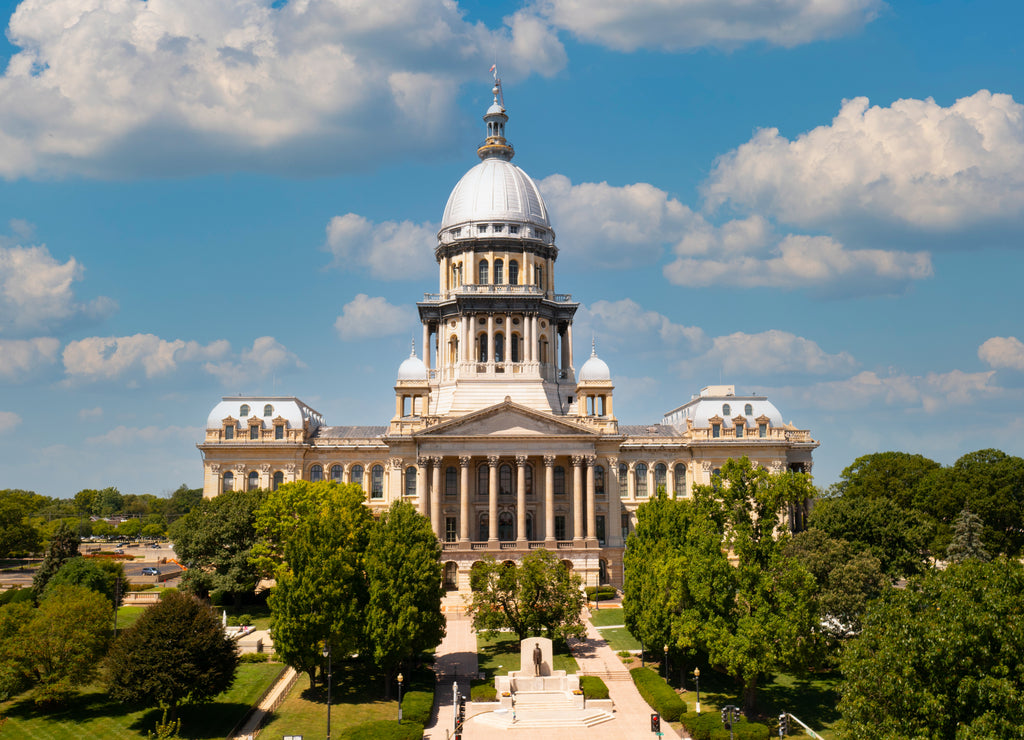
(708, 726)
(254, 658)
(16, 595)
(483, 691)
(601, 593)
(383, 729)
(658, 694)
(416, 706)
(594, 687)
(167, 592)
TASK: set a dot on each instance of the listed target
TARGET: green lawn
(607, 616)
(501, 654)
(618, 638)
(92, 716)
(128, 615)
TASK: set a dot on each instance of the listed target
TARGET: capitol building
(499, 436)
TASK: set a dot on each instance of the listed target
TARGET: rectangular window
(625, 525)
(762, 430)
(279, 432)
(451, 481)
(254, 432)
(450, 533)
(559, 481)
(739, 431)
(229, 432)
(559, 527)
(600, 531)
(716, 430)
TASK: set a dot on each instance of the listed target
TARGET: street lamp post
(400, 698)
(664, 652)
(696, 677)
(327, 654)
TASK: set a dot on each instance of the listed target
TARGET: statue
(538, 658)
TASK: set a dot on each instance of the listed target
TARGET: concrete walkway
(270, 702)
(457, 653)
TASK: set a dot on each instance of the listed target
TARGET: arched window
(482, 479)
(451, 481)
(513, 272)
(268, 410)
(357, 474)
(254, 481)
(529, 527)
(516, 340)
(602, 572)
(680, 482)
(538, 276)
(244, 410)
(316, 473)
(543, 350)
(499, 347)
(482, 343)
(377, 481)
(528, 479)
(559, 481)
(484, 529)
(640, 471)
(482, 273)
(229, 481)
(337, 473)
(278, 479)
(451, 576)
(505, 480)
(748, 410)
(660, 477)
(506, 527)
(726, 410)
(623, 478)
(410, 481)
(499, 272)
(599, 480)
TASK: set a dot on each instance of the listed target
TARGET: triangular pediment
(506, 420)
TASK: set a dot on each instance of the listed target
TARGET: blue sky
(821, 201)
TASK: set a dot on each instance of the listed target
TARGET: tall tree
(321, 592)
(95, 574)
(176, 652)
(17, 533)
(966, 543)
(895, 476)
(57, 646)
(62, 547)
(538, 596)
(940, 658)
(216, 539)
(403, 569)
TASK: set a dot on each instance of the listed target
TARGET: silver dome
(495, 191)
(594, 369)
(412, 368)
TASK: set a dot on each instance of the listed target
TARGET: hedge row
(658, 694)
(593, 687)
(383, 729)
(708, 726)
(483, 691)
(602, 593)
(416, 706)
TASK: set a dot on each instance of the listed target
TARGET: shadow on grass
(78, 708)
(198, 721)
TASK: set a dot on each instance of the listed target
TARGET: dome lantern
(495, 145)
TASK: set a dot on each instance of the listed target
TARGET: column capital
(465, 461)
(423, 461)
(590, 460)
(705, 466)
(632, 465)
(549, 461)
(214, 467)
(395, 462)
(492, 460)
(613, 462)
(578, 460)
(436, 460)
(265, 468)
(240, 467)
(521, 461)
(290, 467)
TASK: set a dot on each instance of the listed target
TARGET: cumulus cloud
(36, 291)
(688, 24)
(364, 316)
(624, 322)
(94, 413)
(388, 250)
(106, 358)
(771, 352)
(265, 357)
(21, 357)
(111, 88)
(122, 436)
(8, 421)
(1002, 353)
(914, 164)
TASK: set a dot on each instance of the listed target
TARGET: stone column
(614, 522)
(435, 498)
(549, 500)
(568, 341)
(577, 498)
(508, 338)
(421, 486)
(631, 480)
(670, 481)
(521, 500)
(650, 481)
(464, 462)
(426, 345)
(591, 501)
(265, 476)
(492, 499)
(490, 338)
(346, 473)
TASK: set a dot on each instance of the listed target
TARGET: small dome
(495, 190)
(595, 368)
(412, 368)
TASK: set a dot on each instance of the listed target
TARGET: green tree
(18, 535)
(216, 539)
(403, 570)
(130, 528)
(176, 652)
(182, 500)
(95, 574)
(539, 596)
(895, 476)
(966, 543)
(57, 646)
(62, 547)
(321, 593)
(940, 658)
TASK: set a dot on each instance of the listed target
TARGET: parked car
(150, 571)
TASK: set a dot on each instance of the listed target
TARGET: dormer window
(229, 432)
(497, 227)
(739, 430)
(456, 232)
(268, 410)
(726, 409)
(244, 411)
(762, 430)
(254, 432)
(481, 228)
(279, 431)
(716, 431)
(513, 229)
(748, 410)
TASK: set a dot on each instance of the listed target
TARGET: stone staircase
(538, 710)
(614, 674)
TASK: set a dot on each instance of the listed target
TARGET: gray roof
(369, 432)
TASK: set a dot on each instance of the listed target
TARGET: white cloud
(771, 352)
(625, 322)
(106, 358)
(122, 436)
(36, 291)
(265, 357)
(93, 413)
(915, 164)
(8, 421)
(21, 357)
(364, 316)
(389, 250)
(108, 87)
(1002, 352)
(688, 24)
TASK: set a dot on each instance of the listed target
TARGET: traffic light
(783, 724)
(726, 723)
(655, 723)
(462, 710)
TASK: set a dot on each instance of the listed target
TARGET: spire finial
(495, 145)
(593, 345)
(413, 352)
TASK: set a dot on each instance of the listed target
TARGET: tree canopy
(940, 658)
(538, 596)
(62, 547)
(95, 574)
